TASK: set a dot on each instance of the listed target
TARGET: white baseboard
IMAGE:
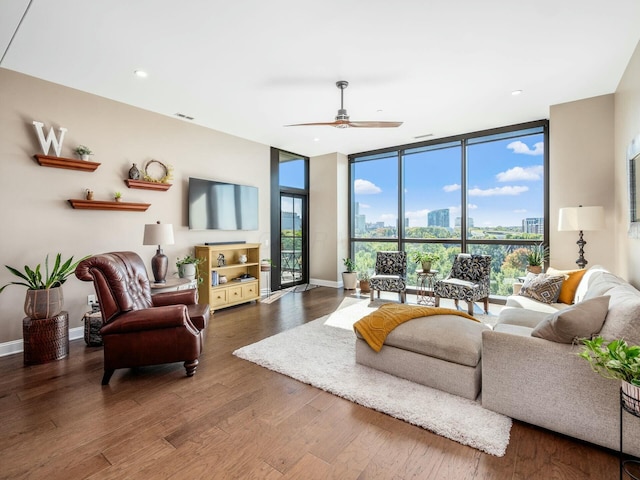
(325, 283)
(17, 346)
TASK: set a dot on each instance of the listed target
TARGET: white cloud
(518, 174)
(520, 210)
(389, 219)
(451, 188)
(491, 192)
(418, 214)
(520, 147)
(364, 205)
(472, 206)
(365, 187)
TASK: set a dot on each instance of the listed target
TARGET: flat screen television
(222, 206)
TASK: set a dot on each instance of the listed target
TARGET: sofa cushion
(570, 284)
(601, 283)
(581, 320)
(544, 288)
(521, 316)
(518, 301)
(513, 330)
(591, 274)
(624, 314)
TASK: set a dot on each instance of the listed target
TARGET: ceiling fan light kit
(342, 119)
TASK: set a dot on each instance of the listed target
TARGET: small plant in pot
(536, 258)
(44, 293)
(425, 259)
(349, 277)
(618, 361)
(364, 277)
(83, 152)
(188, 267)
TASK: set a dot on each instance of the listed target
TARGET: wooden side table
(172, 285)
(45, 340)
(629, 467)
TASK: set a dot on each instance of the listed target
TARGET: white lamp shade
(581, 218)
(158, 234)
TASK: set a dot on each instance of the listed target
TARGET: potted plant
(83, 152)
(364, 277)
(117, 196)
(44, 293)
(425, 259)
(349, 277)
(188, 267)
(265, 265)
(619, 361)
(536, 258)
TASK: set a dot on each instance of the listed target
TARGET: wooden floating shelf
(68, 163)
(144, 185)
(103, 205)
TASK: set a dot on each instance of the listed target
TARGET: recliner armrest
(178, 297)
(154, 318)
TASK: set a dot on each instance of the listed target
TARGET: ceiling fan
(342, 119)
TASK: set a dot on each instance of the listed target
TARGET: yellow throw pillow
(570, 285)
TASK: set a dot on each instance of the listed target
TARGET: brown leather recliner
(140, 329)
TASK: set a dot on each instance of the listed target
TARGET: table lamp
(578, 219)
(159, 234)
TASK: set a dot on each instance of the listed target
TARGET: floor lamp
(159, 234)
(579, 219)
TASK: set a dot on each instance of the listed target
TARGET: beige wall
(581, 172)
(35, 216)
(328, 218)
(627, 126)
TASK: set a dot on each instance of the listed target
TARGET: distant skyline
(505, 184)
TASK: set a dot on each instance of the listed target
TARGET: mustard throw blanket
(375, 327)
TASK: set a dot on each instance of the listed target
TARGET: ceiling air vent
(182, 115)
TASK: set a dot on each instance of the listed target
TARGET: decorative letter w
(51, 138)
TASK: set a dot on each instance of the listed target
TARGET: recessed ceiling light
(140, 73)
(316, 139)
(516, 92)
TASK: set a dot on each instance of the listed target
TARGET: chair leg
(403, 297)
(371, 296)
(437, 301)
(470, 308)
(486, 305)
(457, 302)
(107, 376)
(190, 367)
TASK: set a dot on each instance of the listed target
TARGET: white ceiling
(249, 67)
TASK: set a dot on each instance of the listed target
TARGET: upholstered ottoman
(439, 351)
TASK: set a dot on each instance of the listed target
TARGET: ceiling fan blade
(343, 123)
(356, 124)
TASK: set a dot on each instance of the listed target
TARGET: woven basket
(92, 326)
(46, 339)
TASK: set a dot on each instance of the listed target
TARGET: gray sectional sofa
(545, 383)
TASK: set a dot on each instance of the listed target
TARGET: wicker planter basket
(45, 340)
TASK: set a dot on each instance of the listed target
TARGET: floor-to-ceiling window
(289, 219)
(484, 192)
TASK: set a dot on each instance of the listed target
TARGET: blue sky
(505, 183)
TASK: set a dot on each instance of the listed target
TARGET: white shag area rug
(324, 356)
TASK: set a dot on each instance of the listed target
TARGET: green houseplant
(364, 277)
(618, 361)
(536, 257)
(425, 258)
(44, 293)
(188, 267)
(83, 151)
(349, 276)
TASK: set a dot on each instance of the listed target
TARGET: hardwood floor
(234, 419)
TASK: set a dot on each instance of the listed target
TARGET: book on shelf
(244, 279)
(214, 278)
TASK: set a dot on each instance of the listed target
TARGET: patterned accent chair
(390, 274)
(468, 281)
(139, 329)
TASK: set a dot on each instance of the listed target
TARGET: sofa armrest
(154, 318)
(549, 385)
